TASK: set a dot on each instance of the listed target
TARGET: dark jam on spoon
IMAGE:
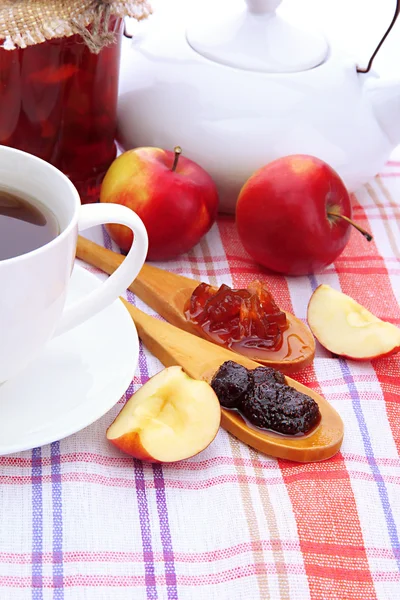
(264, 399)
(248, 318)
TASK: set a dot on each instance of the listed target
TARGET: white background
(356, 25)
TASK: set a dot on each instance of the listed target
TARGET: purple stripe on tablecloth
(145, 528)
(387, 511)
(391, 524)
(37, 525)
(58, 576)
(144, 518)
(162, 509)
(107, 239)
(166, 540)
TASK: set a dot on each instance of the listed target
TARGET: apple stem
(178, 152)
(365, 233)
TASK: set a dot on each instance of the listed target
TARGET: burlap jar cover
(28, 22)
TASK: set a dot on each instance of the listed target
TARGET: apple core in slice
(346, 328)
(170, 418)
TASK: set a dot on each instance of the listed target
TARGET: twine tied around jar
(98, 35)
(28, 22)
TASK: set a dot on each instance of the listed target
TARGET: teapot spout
(384, 96)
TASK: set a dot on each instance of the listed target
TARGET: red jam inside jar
(248, 317)
(58, 101)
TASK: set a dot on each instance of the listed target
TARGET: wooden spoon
(168, 293)
(201, 359)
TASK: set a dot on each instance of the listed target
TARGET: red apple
(291, 215)
(175, 198)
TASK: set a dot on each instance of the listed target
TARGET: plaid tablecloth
(80, 520)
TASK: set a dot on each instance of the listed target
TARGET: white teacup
(33, 286)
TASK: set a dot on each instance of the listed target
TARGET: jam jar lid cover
(256, 38)
(28, 22)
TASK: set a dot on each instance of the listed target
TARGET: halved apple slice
(347, 329)
(170, 418)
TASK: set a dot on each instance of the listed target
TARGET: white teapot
(240, 90)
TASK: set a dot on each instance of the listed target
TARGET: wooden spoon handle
(172, 346)
(106, 260)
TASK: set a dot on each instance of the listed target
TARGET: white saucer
(75, 381)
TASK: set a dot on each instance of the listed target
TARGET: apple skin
(281, 215)
(395, 350)
(130, 444)
(369, 358)
(177, 207)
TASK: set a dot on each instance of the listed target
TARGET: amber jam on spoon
(247, 321)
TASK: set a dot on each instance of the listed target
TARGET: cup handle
(118, 282)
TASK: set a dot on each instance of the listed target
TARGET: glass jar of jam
(58, 89)
(58, 100)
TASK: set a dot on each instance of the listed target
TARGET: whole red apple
(175, 198)
(289, 215)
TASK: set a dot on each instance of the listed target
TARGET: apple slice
(347, 329)
(170, 418)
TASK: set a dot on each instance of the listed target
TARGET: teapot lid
(257, 39)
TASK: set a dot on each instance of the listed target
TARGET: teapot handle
(126, 32)
(371, 60)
